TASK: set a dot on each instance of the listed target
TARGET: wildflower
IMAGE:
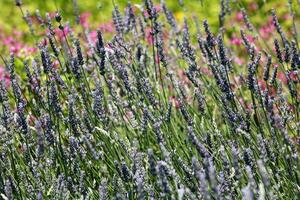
(83, 19)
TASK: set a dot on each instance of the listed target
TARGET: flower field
(148, 99)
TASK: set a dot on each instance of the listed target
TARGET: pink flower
(60, 34)
(262, 84)
(293, 76)
(250, 38)
(15, 48)
(182, 76)
(9, 40)
(83, 19)
(253, 6)
(239, 16)
(28, 50)
(238, 60)
(206, 71)
(52, 15)
(286, 16)
(93, 36)
(2, 70)
(55, 64)
(44, 42)
(242, 102)
(267, 31)
(149, 37)
(236, 41)
(282, 77)
(157, 8)
(107, 27)
(17, 33)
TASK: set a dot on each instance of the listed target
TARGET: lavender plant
(148, 113)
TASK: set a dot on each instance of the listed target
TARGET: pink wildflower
(239, 16)
(83, 19)
(107, 27)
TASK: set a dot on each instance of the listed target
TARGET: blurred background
(99, 11)
(96, 14)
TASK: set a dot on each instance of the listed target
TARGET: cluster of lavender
(150, 115)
